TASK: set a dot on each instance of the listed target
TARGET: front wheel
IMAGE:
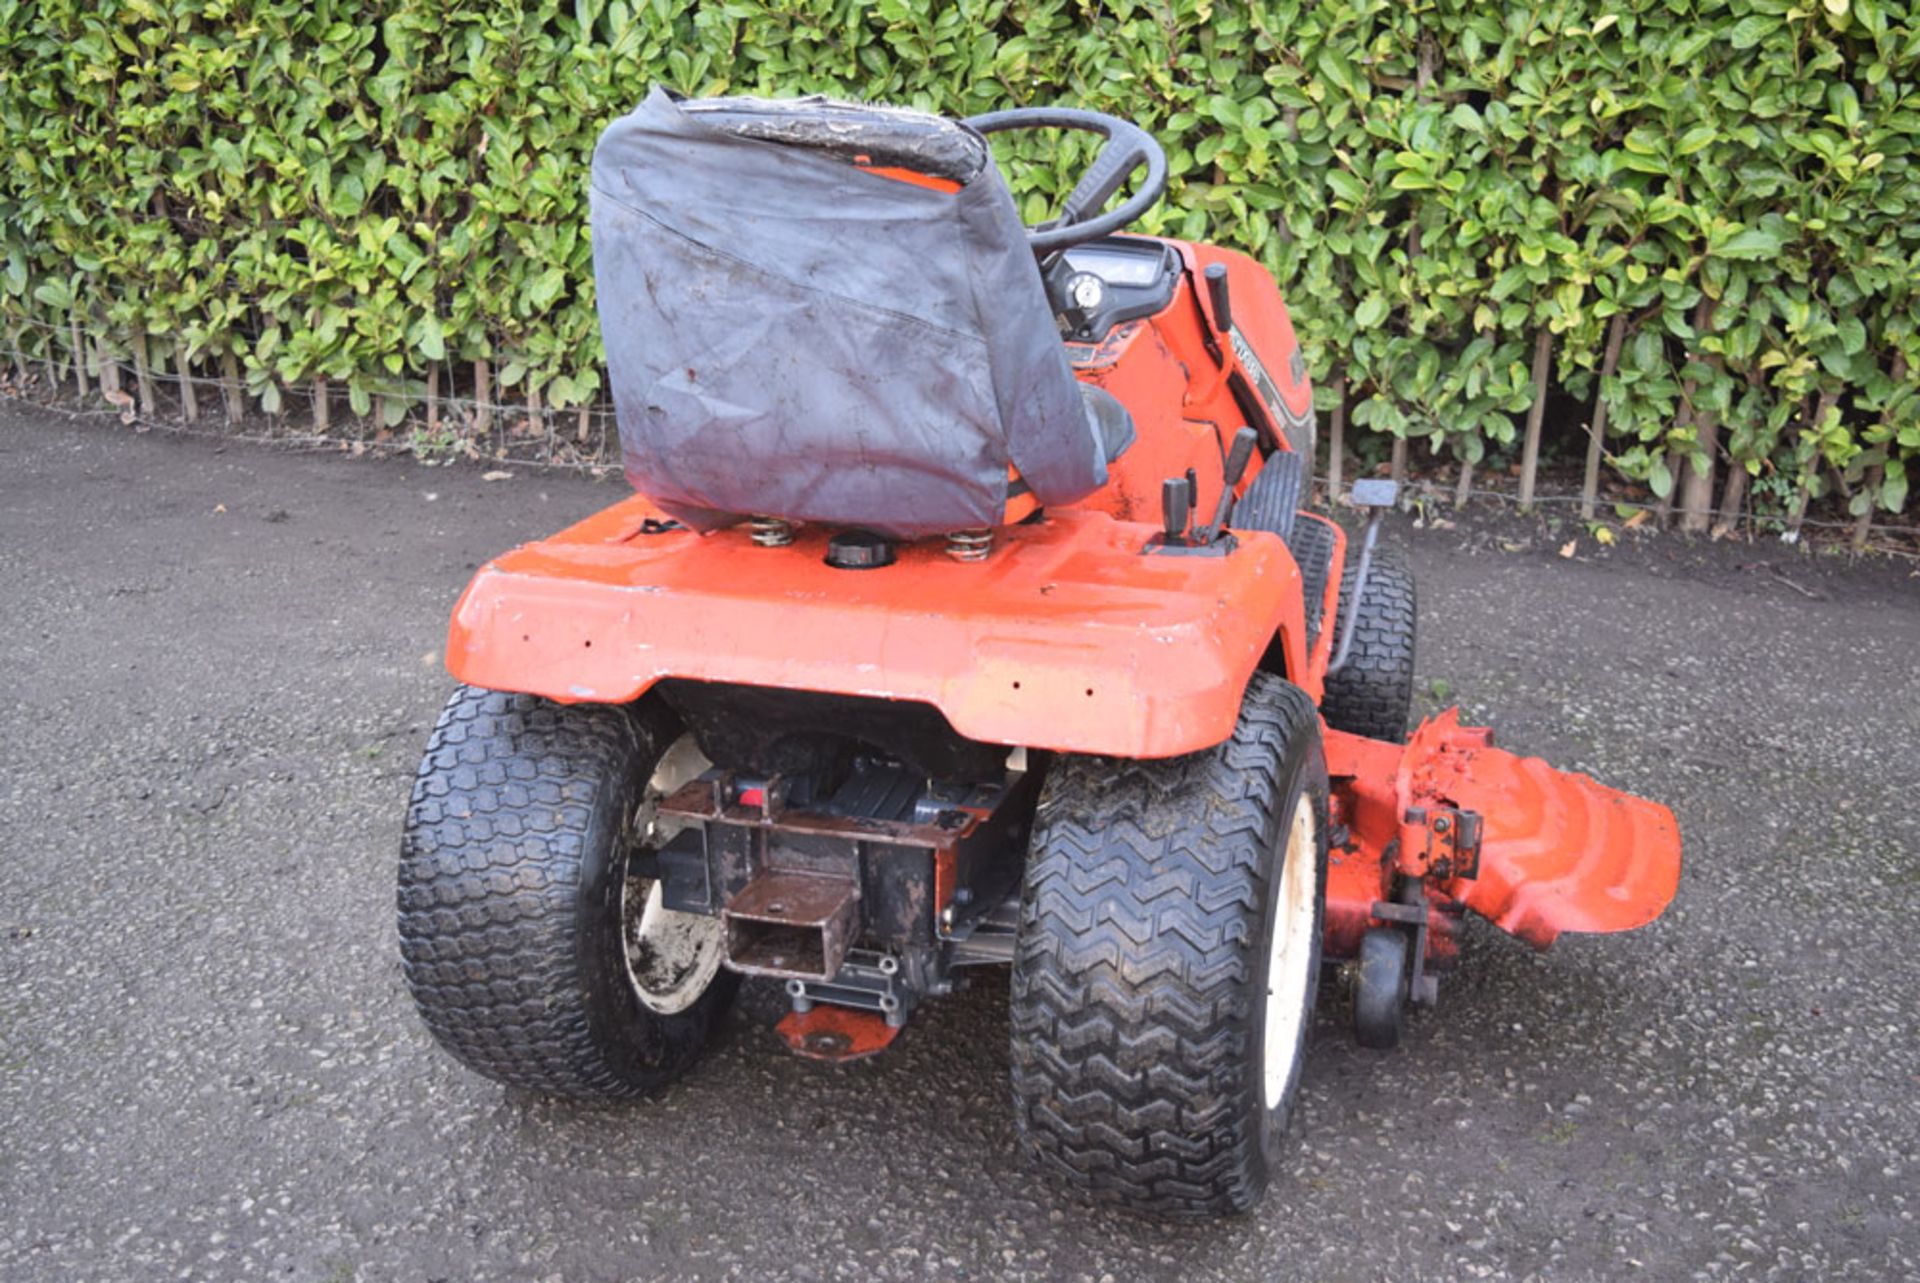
(1169, 946)
(1373, 694)
(535, 954)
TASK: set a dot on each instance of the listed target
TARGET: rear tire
(1167, 962)
(531, 955)
(1373, 694)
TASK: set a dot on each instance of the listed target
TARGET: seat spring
(970, 545)
(771, 532)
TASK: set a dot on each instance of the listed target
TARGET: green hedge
(356, 191)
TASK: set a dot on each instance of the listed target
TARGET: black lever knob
(1176, 504)
(1217, 292)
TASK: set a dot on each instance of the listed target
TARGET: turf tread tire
(508, 939)
(1311, 544)
(1272, 499)
(1373, 694)
(1136, 993)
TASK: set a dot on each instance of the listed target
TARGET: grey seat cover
(790, 336)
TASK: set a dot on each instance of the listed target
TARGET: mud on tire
(1139, 993)
(513, 873)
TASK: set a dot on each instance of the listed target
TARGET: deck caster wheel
(1380, 997)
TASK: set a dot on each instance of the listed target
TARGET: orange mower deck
(1534, 850)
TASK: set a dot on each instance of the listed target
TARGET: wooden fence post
(1596, 441)
(142, 376)
(189, 401)
(79, 352)
(1337, 442)
(230, 386)
(1876, 475)
(1829, 398)
(1695, 484)
(1536, 414)
(109, 369)
(482, 398)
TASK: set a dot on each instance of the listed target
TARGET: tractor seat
(886, 137)
(879, 137)
(828, 312)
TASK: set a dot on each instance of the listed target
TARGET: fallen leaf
(496, 476)
(1566, 549)
(1605, 535)
(1638, 519)
(219, 508)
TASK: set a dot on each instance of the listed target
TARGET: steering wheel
(1126, 149)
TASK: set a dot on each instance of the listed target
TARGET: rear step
(791, 925)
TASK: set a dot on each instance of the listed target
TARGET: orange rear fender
(1066, 637)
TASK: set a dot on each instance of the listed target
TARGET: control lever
(1216, 275)
(1176, 505)
(1239, 455)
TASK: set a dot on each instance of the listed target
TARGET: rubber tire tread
(1311, 544)
(1137, 997)
(1380, 991)
(1273, 497)
(512, 862)
(1373, 694)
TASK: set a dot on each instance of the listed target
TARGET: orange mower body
(1139, 729)
(1065, 639)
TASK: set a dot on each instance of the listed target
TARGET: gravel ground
(222, 662)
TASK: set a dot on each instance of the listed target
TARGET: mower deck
(1067, 638)
(1534, 850)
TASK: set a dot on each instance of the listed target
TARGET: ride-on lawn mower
(967, 614)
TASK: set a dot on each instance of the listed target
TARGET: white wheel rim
(1290, 954)
(671, 956)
